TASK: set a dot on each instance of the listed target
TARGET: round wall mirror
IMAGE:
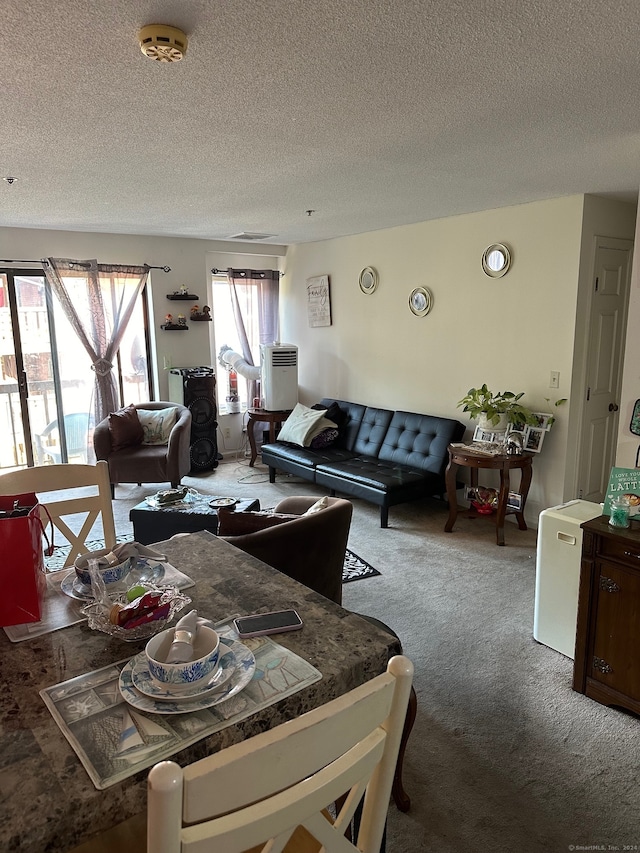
(368, 280)
(420, 301)
(496, 260)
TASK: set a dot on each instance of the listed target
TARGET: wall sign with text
(318, 301)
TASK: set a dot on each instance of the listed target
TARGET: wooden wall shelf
(174, 327)
(182, 297)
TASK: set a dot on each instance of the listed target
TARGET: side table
(274, 419)
(463, 456)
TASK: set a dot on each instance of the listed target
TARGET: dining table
(50, 802)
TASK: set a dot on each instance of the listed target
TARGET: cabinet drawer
(627, 552)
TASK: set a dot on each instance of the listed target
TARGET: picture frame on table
(514, 501)
(544, 421)
(533, 439)
(489, 436)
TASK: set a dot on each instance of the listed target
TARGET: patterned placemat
(114, 741)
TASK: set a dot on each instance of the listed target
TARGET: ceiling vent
(250, 235)
(163, 43)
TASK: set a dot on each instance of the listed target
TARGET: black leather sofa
(381, 456)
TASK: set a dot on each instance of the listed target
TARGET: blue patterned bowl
(109, 573)
(184, 676)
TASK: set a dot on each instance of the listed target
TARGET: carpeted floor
(504, 755)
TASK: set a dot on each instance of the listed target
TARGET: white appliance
(279, 376)
(558, 573)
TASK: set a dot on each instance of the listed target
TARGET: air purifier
(279, 376)
(558, 573)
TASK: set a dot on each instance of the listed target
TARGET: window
(225, 333)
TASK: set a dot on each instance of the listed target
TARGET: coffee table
(152, 524)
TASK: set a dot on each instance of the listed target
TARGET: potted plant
(495, 411)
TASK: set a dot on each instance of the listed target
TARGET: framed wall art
(318, 301)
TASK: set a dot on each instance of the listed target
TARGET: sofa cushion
(324, 439)
(157, 424)
(125, 428)
(419, 441)
(334, 413)
(303, 425)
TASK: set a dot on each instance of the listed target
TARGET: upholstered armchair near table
(309, 548)
(145, 443)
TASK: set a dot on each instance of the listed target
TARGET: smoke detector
(163, 43)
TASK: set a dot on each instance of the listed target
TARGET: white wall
(509, 332)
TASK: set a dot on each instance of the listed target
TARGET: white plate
(245, 665)
(223, 502)
(144, 683)
(72, 587)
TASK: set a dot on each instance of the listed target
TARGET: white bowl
(184, 676)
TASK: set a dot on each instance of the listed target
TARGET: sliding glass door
(46, 381)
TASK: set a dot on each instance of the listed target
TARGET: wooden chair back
(271, 792)
(66, 479)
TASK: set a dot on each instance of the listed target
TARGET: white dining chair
(274, 791)
(67, 479)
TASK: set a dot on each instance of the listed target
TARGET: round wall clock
(496, 260)
(420, 301)
(368, 280)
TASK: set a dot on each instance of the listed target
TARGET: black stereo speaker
(195, 388)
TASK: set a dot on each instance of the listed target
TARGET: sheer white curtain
(265, 284)
(98, 300)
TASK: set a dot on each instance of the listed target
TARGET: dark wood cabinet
(607, 658)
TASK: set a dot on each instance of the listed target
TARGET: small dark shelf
(174, 327)
(182, 297)
(198, 318)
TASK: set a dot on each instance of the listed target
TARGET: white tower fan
(279, 376)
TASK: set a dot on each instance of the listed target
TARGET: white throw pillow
(157, 424)
(318, 506)
(303, 424)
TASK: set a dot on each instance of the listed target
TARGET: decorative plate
(420, 301)
(72, 586)
(242, 675)
(368, 280)
(218, 502)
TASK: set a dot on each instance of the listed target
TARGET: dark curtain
(267, 283)
(98, 300)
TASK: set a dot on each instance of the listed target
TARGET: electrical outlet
(554, 379)
(226, 434)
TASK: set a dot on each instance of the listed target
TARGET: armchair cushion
(239, 523)
(125, 428)
(157, 424)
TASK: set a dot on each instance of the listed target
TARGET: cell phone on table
(275, 622)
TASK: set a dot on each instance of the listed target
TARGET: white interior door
(607, 326)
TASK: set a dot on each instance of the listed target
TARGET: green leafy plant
(482, 401)
(559, 402)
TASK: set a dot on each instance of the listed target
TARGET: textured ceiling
(371, 113)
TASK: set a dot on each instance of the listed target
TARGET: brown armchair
(147, 463)
(309, 549)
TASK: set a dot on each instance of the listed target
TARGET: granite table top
(49, 802)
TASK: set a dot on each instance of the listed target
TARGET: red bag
(23, 578)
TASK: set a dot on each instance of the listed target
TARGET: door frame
(576, 435)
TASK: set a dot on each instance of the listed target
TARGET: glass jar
(620, 508)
